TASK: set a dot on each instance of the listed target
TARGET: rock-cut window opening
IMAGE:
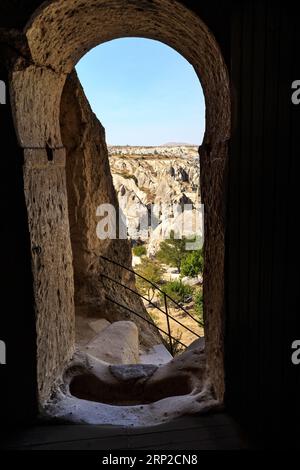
(66, 171)
(156, 179)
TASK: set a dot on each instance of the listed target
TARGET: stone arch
(58, 35)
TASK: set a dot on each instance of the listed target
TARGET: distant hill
(160, 152)
(178, 144)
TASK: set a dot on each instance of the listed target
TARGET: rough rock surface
(158, 355)
(118, 343)
(187, 224)
(133, 372)
(159, 177)
(47, 209)
(99, 325)
(88, 328)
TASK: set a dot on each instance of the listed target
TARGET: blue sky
(143, 92)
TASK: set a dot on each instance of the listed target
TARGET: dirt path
(185, 336)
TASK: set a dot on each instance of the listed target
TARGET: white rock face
(136, 260)
(187, 223)
(164, 177)
(168, 150)
(158, 355)
(192, 281)
(99, 325)
(118, 343)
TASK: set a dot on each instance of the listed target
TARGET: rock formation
(118, 343)
(163, 176)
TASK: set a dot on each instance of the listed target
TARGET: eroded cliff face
(89, 184)
(163, 177)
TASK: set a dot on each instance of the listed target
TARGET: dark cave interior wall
(17, 325)
(262, 293)
(263, 319)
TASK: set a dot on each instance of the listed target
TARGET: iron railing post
(168, 323)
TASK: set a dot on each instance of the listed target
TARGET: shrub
(152, 271)
(192, 264)
(172, 251)
(177, 291)
(139, 250)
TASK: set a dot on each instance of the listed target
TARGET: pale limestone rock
(158, 355)
(136, 260)
(192, 281)
(118, 343)
(187, 223)
(198, 344)
(87, 329)
(99, 325)
(163, 176)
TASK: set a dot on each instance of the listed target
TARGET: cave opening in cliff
(61, 192)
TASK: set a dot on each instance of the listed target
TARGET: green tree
(192, 264)
(139, 250)
(151, 270)
(177, 290)
(172, 251)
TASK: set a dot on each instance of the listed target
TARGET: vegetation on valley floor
(189, 266)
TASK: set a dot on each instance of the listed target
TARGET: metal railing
(166, 297)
